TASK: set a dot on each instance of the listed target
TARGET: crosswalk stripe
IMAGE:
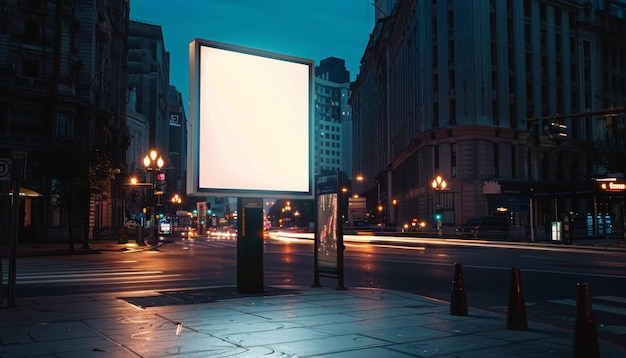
(79, 273)
(594, 306)
(88, 274)
(92, 280)
(612, 299)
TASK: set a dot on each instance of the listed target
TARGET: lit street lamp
(439, 184)
(153, 164)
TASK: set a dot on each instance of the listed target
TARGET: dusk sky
(302, 28)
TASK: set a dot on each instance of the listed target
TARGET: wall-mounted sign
(613, 186)
(5, 168)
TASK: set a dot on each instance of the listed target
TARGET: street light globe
(146, 161)
(438, 183)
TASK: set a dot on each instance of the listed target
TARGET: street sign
(5, 168)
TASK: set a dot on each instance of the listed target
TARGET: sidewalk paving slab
(302, 322)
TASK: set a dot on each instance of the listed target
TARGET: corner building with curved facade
(464, 89)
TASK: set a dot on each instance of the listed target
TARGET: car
(132, 224)
(165, 228)
(489, 227)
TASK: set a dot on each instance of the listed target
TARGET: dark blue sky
(303, 28)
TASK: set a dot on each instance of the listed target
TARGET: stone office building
(63, 109)
(466, 90)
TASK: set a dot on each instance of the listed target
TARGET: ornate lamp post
(439, 184)
(153, 164)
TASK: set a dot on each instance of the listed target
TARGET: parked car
(489, 227)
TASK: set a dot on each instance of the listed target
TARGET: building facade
(63, 114)
(466, 90)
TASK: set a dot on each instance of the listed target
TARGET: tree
(76, 175)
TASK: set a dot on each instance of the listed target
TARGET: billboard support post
(250, 245)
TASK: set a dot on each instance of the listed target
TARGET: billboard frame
(198, 162)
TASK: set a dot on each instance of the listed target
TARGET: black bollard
(585, 335)
(516, 314)
(458, 302)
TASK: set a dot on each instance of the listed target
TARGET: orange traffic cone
(458, 302)
(585, 335)
(516, 315)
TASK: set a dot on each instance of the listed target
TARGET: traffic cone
(585, 335)
(458, 302)
(516, 314)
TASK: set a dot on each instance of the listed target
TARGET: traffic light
(556, 130)
(438, 216)
(134, 195)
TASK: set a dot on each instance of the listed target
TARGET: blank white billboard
(250, 124)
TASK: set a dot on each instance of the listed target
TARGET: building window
(63, 126)
(31, 31)
(30, 68)
(453, 160)
(514, 161)
(496, 160)
(452, 112)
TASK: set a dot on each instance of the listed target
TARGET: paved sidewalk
(283, 322)
(299, 322)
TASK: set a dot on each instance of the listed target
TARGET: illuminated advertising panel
(327, 232)
(250, 124)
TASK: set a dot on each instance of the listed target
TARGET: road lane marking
(534, 257)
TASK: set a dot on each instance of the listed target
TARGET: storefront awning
(27, 193)
(539, 189)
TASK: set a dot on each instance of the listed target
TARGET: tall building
(148, 82)
(148, 74)
(333, 129)
(63, 114)
(177, 152)
(466, 90)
